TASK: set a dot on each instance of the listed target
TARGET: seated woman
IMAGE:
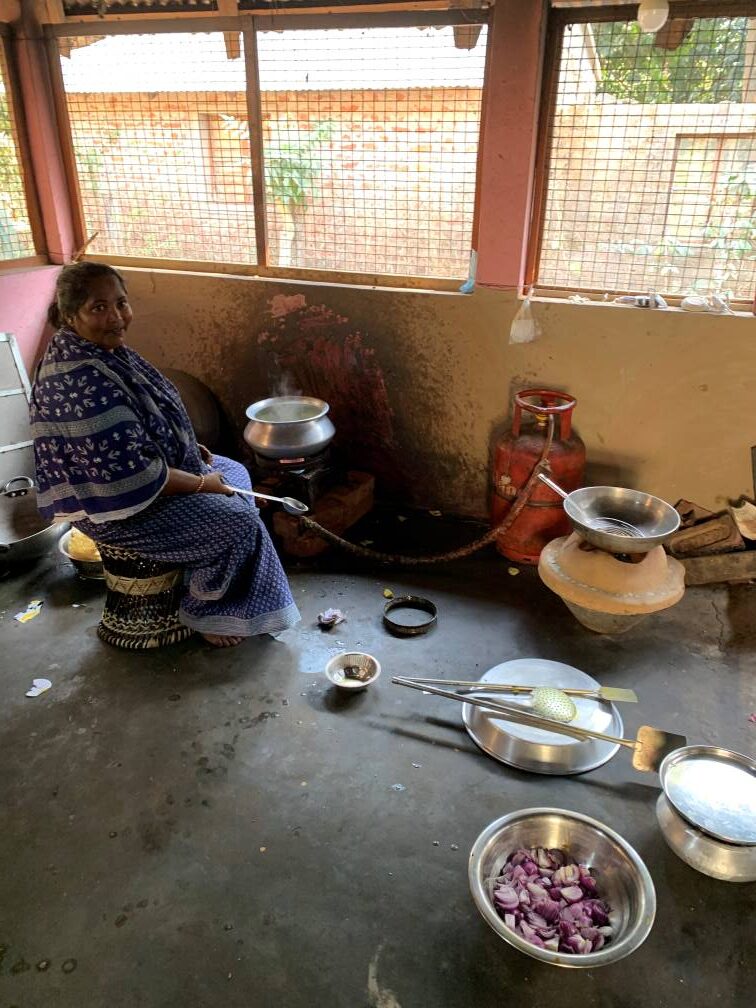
(117, 457)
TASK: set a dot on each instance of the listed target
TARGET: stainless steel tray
(535, 749)
(713, 789)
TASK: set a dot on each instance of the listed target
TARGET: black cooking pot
(24, 534)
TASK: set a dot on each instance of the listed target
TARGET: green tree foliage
(292, 166)
(8, 161)
(291, 162)
(708, 65)
(15, 238)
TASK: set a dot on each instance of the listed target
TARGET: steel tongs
(611, 694)
(649, 747)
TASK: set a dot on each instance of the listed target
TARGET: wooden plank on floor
(730, 567)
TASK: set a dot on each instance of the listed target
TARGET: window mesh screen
(16, 240)
(158, 178)
(652, 170)
(370, 142)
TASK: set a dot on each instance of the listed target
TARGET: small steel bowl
(334, 670)
(622, 877)
(89, 569)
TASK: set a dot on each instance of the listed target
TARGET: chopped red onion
(539, 893)
(507, 898)
(535, 920)
(548, 909)
(552, 902)
(567, 875)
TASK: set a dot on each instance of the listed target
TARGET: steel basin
(289, 427)
(622, 877)
(720, 860)
(708, 821)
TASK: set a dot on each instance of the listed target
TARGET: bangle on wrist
(200, 485)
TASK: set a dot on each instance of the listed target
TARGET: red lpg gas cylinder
(543, 518)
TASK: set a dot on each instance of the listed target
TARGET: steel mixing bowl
(654, 519)
(622, 877)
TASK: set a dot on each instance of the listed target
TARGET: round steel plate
(534, 749)
(714, 789)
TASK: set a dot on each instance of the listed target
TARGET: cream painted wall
(666, 400)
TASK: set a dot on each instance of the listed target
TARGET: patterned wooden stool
(141, 605)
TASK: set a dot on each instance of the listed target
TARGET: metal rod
(256, 142)
(606, 694)
(484, 687)
(516, 715)
(552, 485)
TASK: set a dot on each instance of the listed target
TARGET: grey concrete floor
(195, 828)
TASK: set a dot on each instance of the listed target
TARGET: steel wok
(24, 534)
(654, 519)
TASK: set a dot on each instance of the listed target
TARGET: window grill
(139, 109)
(370, 145)
(350, 149)
(16, 238)
(649, 160)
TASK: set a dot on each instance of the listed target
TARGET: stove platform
(336, 510)
(608, 593)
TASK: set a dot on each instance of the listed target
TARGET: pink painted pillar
(47, 161)
(509, 140)
(26, 293)
(24, 299)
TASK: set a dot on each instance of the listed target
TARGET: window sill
(302, 277)
(10, 266)
(740, 309)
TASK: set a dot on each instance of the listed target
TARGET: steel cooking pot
(707, 812)
(289, 427)
(24, 534)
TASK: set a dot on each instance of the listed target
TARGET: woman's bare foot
(218, 641)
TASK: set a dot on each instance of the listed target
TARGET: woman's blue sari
(107, 427)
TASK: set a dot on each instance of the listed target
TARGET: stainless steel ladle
(616, 526)
(291, 504)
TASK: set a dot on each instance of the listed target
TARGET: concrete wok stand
(605, 593)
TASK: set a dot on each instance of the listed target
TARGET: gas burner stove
(629, 558)
(263, 464)
(306, 479)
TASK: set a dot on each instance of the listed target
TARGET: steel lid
(536, 749)
(714, 789)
